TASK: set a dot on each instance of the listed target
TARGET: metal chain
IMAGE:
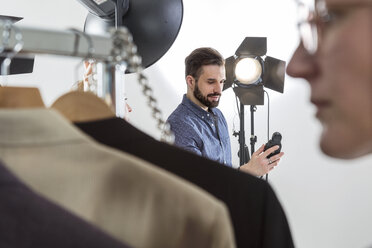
(6, 36)
(125, 48)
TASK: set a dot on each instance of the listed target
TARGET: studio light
(250, 70)
(153, 24)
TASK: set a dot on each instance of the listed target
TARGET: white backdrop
(328, 202)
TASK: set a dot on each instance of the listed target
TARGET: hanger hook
(89, 55)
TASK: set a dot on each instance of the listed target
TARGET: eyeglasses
(313, 20)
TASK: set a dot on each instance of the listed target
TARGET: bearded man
(199, 126)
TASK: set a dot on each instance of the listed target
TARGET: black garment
(257, 216)
(29, 220)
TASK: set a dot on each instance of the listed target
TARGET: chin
(333, 152)
(214, 104)
(345, 141)
(340, 149)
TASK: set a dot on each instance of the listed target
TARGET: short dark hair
(199, 57)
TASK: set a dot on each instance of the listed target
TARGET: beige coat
(128, 198)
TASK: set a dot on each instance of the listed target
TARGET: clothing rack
(108, 50)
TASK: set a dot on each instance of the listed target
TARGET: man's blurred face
(340, 77)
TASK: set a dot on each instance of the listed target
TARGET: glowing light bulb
(248, 70)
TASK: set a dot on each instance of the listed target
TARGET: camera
(275, 140)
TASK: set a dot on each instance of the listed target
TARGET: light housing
(154, 25)
(268, 71)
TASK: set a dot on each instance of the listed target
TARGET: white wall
(327, 201)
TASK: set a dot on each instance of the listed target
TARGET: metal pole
(242, 136)
(253, 137)
(111, 85)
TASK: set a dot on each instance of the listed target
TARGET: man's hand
(259, 165)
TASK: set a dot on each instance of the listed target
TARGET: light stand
(253, 137)
(248, 72)
(243, 151)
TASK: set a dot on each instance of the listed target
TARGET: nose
(218, 88)
(302, 64)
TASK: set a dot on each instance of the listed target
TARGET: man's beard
(204, 99)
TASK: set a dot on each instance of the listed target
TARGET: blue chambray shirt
(204, 133)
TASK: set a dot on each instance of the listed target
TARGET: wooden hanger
(20, 97)
(80, 106)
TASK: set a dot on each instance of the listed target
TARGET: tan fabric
(125, 196)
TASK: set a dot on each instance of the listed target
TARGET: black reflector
(153, 24)
(252, 46)
(229, 65)
(19, 65)
(274, 74)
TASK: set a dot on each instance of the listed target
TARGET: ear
(190, 81)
